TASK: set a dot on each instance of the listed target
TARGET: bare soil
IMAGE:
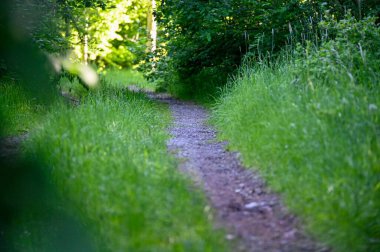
(255, 218)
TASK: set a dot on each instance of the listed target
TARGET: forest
(94, 97)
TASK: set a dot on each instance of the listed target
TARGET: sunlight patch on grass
(125, 78)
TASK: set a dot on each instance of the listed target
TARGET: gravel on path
(255, 218)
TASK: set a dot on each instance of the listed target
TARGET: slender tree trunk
(85, 43)
(67, 28)
(359, 8)
(152, 27)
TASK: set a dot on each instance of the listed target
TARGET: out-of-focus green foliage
(33, 216)
(110, 32)
(114, 31)
(118, 34)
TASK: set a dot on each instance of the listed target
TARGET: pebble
(230, 237)
(254, 205)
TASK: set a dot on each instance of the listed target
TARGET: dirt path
(255, 218)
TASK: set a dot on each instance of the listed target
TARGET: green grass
(108, 158)
(309, 122)
(18, 111)
(320, 147)
(127, 77)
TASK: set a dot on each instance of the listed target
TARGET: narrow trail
(255, 218)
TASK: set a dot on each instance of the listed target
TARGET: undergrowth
(310, 125)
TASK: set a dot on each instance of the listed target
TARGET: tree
(104, 32)
(207, 40)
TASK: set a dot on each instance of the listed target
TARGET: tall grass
(19, 112)
(311, 127)
(108, 158)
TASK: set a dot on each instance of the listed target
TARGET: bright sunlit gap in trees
(117, 36)
(102, 33)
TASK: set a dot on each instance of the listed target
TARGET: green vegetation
(22, 113)
(310, 125)
(201, 43)
(105, 32)
(117, 31)
(303, 108)
(126, 77)
(97, 164)
(108, 160)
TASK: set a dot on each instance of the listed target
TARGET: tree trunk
(85, 43)
(152, 27)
